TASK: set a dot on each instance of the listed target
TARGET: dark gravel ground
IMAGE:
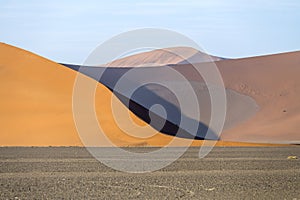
(226, 173)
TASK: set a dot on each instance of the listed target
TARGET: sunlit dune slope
(36, 97)
(36, 102)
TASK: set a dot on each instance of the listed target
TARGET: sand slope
(35, 100)
(273, 81)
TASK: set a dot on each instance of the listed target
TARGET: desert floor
(226, 173)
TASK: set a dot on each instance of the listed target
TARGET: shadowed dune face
(240, 107)
(144, 97)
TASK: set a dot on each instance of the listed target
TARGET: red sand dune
(36, 101)
(272, 81)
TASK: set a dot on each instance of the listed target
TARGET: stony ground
(226, 173)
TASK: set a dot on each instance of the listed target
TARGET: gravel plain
(226, 173)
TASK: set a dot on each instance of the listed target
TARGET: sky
(67, 31)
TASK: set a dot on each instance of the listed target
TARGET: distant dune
(160, 57)
(36, 100)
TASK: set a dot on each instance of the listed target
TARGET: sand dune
(160, 57)
(36, 101)
(36, 105)
(240, 107)
(269, 81)
(272, 82)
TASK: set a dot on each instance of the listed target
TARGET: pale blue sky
(67, 31)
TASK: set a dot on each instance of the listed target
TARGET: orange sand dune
(36, 100)
(36, 104)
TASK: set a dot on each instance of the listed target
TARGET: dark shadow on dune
(143, 99)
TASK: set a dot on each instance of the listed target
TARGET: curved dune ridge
(166, 56)
(36, 102)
